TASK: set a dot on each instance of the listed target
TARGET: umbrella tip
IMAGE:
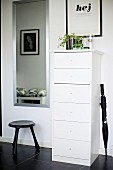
(105, 152)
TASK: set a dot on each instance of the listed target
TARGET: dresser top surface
(77, 51)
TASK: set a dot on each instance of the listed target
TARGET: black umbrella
(104, 118)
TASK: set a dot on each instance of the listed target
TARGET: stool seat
(23, 124)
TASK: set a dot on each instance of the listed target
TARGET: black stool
(23, 124)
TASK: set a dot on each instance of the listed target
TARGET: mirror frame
(47, 105)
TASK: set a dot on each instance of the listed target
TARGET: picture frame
(84, 17)
(29, 42)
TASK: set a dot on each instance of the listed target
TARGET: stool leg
(35, 140)
(15, 142)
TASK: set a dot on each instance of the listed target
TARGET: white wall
(42, 116)
(105, 44)
(31, 69)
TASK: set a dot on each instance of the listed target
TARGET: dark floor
(27, 159)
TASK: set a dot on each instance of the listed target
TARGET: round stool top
(21, 124)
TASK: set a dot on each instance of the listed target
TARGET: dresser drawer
(72, 112)
(72, 93)
(72, 130)
(71, 148)
(77, 76)
(72, 60)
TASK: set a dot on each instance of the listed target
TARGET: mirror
(31, 36)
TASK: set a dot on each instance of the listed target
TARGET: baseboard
(26, 142)
(109, 151)
(112, 150)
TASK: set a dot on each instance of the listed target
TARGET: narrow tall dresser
(75, 106)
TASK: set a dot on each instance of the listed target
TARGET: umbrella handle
(102, 89)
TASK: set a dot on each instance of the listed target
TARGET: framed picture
(84, 17)
(29, 42)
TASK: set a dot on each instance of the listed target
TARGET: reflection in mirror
(32, 52)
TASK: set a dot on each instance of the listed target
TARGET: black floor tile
(26, 151)
(33, 164)
(6, 168)
(64, 166)
(101, 163)
(5, 147)
(46, 149)
(44, 155)
(8, 161)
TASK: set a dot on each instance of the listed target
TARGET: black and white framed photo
(84, 17)
(29, 42)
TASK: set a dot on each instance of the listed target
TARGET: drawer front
(71, 148)
(77, 76)
(72, 60)
(72, 112)
(72, 93)
(72, 130)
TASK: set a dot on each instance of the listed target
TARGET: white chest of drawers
(75, 106)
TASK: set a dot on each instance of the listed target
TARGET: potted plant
(71, 41)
